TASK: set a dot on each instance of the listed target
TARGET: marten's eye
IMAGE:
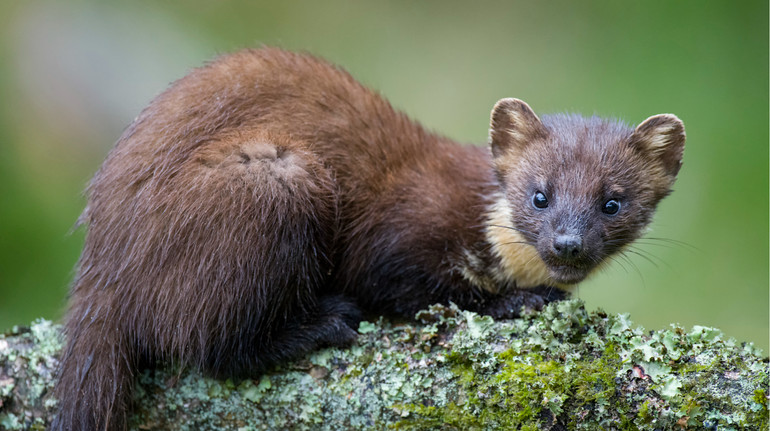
(611, 207)
(539, 200)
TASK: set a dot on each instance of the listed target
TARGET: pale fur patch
(519, 262)
(472, 269)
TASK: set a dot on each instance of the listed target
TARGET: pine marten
(256, 209)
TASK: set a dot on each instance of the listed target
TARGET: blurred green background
(73, 75)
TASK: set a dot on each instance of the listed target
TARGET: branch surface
(561, 368)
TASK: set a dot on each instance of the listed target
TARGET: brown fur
(255, 207)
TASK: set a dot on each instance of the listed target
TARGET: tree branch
(562, 368)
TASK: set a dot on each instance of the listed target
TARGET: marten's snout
(568, 246)
(569, 256)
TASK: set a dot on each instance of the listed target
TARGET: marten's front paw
(510, 305)
(339, 321)
(549, 293)
(341, 307)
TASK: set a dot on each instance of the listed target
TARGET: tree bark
(561, 368)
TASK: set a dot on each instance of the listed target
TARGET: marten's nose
(568, 247)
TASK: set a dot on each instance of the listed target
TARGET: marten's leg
(269, 230)
(330, 323)
(212, 258)
(508, 305)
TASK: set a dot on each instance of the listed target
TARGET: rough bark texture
(562, 368)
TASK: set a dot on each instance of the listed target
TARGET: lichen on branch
(561, 368)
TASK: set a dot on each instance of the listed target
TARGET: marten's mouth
(568, 274)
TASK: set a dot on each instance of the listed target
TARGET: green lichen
(525, 391)
(9, 421)
(28, 364)
(450, 369)
(587, 371)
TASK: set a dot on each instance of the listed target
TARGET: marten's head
(579, 189)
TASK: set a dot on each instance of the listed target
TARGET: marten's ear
(661, 137)
(513, 126)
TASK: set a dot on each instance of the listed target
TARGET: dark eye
(539, 200)
(611, 207)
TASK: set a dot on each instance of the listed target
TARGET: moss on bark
(561, 368)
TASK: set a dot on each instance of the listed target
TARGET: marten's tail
(97, 374)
